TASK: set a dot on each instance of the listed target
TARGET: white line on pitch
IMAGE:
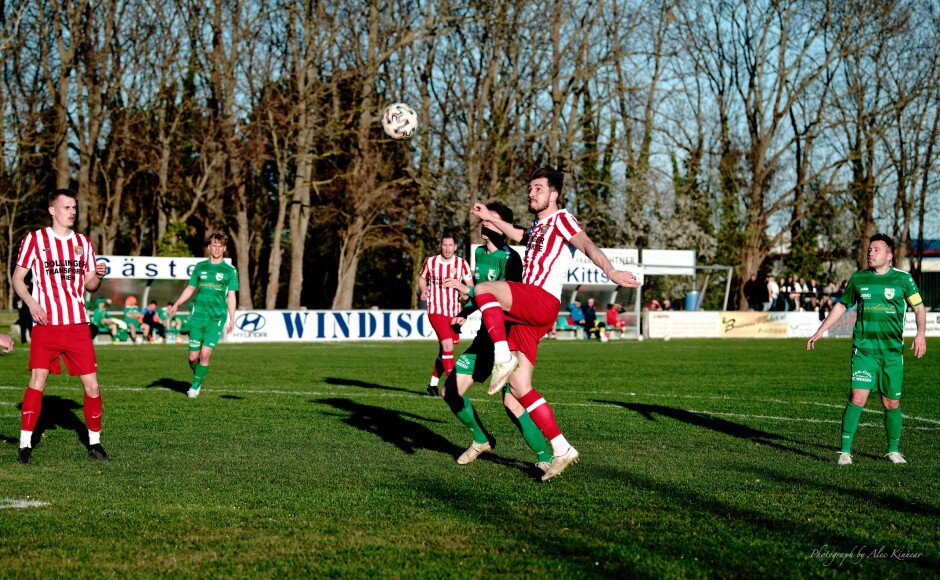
(231, 390)
(7, 503)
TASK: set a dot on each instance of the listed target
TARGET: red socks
(93, 413)
(32, 403)
(493, 318)
(447, 358)
(541, 413)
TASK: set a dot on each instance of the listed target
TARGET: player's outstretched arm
(620, 277)
(835, 314)
(186, 295)
(920, 339)
(510, 231)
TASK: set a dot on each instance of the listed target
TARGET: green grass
(699, 458)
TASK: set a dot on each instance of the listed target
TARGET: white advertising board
(681, 324)
(330, 325)
(150, 268)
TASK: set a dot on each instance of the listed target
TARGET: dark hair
(883, 238)
(500, 208)
(218, 236)
(556, 179)
(446, 235)
(60, 192)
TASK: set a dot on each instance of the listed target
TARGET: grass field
(699, 458)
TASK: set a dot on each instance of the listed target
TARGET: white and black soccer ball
(399, 121)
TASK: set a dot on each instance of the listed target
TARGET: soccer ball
(399, 121)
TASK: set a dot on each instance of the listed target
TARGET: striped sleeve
(27, 251)
(567, 226)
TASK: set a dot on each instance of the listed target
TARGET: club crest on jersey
(889, 293)
(78, 251)
(218, 276)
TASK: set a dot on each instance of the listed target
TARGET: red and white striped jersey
(443, 300)
(59, 266)
(548, 253)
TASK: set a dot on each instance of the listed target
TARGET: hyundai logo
(250, 322)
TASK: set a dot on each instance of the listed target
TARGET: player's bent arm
(93, 282)
(510, 231)
(838, 309)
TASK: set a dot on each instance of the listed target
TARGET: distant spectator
(592, 326)
(837, 294)
(24, 320)
(773, 293)
(752, 294)
(132, 316)
(811, 295)
(613, 316)
(101, 321)
(575, 314)
(667, 305)
(653, 305)
(151, 323)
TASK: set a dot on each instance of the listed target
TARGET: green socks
(198, 375)
(533, 437)
(850, 425)
(893, 427)
(192, 365)
(468, 417)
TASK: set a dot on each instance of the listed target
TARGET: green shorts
(477, 360)
(205, 333)
(884, 375)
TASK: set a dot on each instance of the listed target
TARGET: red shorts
(70, 341)
(533, 314)
(441, 325)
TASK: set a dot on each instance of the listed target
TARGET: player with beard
(532, 305)
(494, 260)
(881, 295)
(443, 303)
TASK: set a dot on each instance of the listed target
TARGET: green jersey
(489, 267)
(213, 282)
(880, 301)
(501, 264)
(132, 314)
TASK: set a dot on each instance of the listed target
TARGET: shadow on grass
(170, 384)
(232, 397)
(10, 440)
(852, 493)
(410, 435)
(724, 426)
(703, 505)
(393, 427)
(364, 385)
(59, 413)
